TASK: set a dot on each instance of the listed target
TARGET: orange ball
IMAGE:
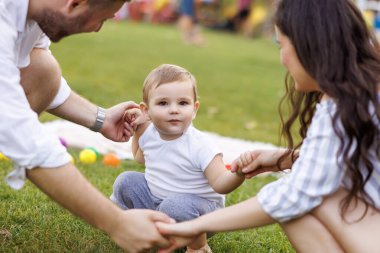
(111, 160)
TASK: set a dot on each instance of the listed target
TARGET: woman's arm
(359, 232)
(246, 214)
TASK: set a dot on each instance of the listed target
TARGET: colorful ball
(111, 160)
(3, 157)
(63, 142)
(228, 166)
(72, 159)
(87, 156)
(95, 150)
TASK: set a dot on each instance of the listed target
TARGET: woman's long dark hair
(335, 47)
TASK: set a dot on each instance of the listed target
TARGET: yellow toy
(3, 157)
(87, 156)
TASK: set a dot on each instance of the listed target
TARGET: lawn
(240, 82)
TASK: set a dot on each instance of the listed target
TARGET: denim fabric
(131, 191)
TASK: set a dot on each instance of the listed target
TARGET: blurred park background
(251, 18)
(240, 83)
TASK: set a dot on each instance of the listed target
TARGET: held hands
(179, 234)
(135, 117)
(115, 127)
(136, 230)
(252, 163)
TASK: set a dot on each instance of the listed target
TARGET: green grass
(240, 82)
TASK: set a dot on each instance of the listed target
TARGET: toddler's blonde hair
(167, 73)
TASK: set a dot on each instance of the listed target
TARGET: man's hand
(115, 127)
(133, 230)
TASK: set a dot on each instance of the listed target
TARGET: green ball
(95, 150)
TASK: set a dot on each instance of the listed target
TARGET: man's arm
(76, 109)
(80, 111)
(85, 201)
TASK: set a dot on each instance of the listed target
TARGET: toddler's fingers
(236, 165)
(242, 158)
(127, 117)
(233, 166)
(246, 158)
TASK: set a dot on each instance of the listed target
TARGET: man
(31, 82)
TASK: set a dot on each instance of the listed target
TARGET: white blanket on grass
(80, 137)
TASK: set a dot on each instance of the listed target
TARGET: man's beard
(57, 26)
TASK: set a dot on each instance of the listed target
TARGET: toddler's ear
(196, 107)
(144, 109)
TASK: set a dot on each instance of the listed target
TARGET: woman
(331, 199)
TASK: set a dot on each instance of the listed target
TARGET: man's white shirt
(22, 137)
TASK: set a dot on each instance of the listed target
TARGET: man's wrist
(99, 120)
(110, 221)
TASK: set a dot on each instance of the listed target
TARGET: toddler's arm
(221, 179)
(139, 121)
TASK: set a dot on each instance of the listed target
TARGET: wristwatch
(100, 118)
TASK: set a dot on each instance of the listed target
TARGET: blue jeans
(131, 191)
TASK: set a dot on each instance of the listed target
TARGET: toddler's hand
(134, 117)
(241, 162)
(131, 114)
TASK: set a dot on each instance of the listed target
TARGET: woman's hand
(252, 163)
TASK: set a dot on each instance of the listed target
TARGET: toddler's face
(172, 108)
